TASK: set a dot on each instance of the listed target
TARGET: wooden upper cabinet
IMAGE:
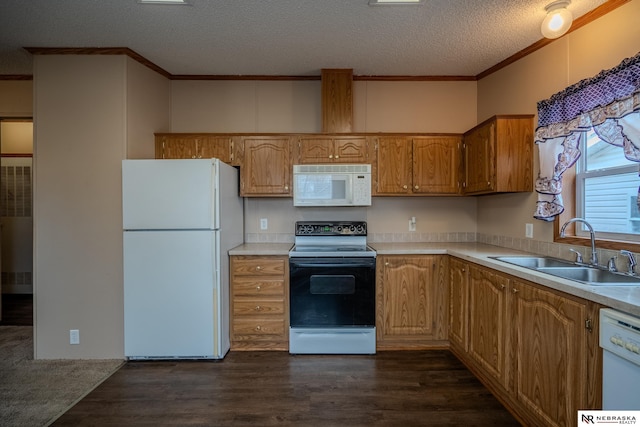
(437, 164)
(333, 149)
(194, 146)
(427, 165)
(337, 100)
(393, 173)
(498, 156)
(266, 166)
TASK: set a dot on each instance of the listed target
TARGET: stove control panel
(344, 228)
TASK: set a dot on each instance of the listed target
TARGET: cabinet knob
(337, 157)
(258, 268)
(258, 308)
(193, 157)
(514, 290)
(258, 288)
(286, 187)
(405, 187)
(199, 156)
(386, 263)
(331, 156)
(502, 287)
(417, 187)
(258, 328)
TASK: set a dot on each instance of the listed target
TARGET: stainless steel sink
(571, 270)
(592, 276)
(535, 263)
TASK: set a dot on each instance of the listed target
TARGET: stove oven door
(332, 292)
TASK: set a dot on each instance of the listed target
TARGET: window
(607, 190)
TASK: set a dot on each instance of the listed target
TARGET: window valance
(608, 103)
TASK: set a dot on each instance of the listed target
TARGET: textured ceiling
(283, 37)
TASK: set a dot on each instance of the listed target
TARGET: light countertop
(623, 298)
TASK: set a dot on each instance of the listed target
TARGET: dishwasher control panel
(620, 334)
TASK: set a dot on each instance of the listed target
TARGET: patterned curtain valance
(607, 87)
(608, 103)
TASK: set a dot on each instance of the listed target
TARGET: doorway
(16, 221)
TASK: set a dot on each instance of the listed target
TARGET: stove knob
(339, 229)
(352, 228)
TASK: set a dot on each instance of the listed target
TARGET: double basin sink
(573, 271)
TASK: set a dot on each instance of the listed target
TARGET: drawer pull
(258, 308)
(258, 268)
(258, 328)
(258, 288)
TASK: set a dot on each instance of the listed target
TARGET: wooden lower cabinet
(411, 295)
(534, 347)
(458, 296)
(259, 303)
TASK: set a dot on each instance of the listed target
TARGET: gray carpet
(36, 392)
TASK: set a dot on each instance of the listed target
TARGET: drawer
(252, 307)
(256, 288)
(258, 266)
(258, 326)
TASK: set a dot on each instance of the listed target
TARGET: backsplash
(556, 250)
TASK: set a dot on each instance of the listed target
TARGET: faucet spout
(594, 254)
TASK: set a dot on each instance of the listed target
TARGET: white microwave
(332, 185)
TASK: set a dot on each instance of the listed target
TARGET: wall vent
(15, 189)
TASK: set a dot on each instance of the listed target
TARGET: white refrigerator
(180, 218)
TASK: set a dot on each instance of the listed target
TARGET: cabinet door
(393, 172)
(266, 169)
(488, 320)
(550, 348)
(409, 297)
(315, 150)
(218, 147)
(458, 305)
(178, 147)
(436, 165)
(479, 159)
(350, 150)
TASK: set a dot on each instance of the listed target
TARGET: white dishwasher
(620, 341)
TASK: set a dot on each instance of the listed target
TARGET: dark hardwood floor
(17, 310)
(408, 388)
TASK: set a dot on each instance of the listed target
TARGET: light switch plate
(528, 230)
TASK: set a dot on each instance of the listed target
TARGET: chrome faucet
(594, 254)
(632, 261)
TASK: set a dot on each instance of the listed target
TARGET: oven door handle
(334, 265)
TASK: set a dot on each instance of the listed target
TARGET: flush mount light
(393, 2)
(558, 19)
(180, 2)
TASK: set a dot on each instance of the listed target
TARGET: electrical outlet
(264, 224)
(74, 336)
(528, 230)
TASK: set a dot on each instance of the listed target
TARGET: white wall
(16, 98)
(295, 106)
(517, 88)
(85, 111)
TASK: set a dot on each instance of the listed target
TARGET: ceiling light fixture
(174, 2)
(558, 19)
(394, 2)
